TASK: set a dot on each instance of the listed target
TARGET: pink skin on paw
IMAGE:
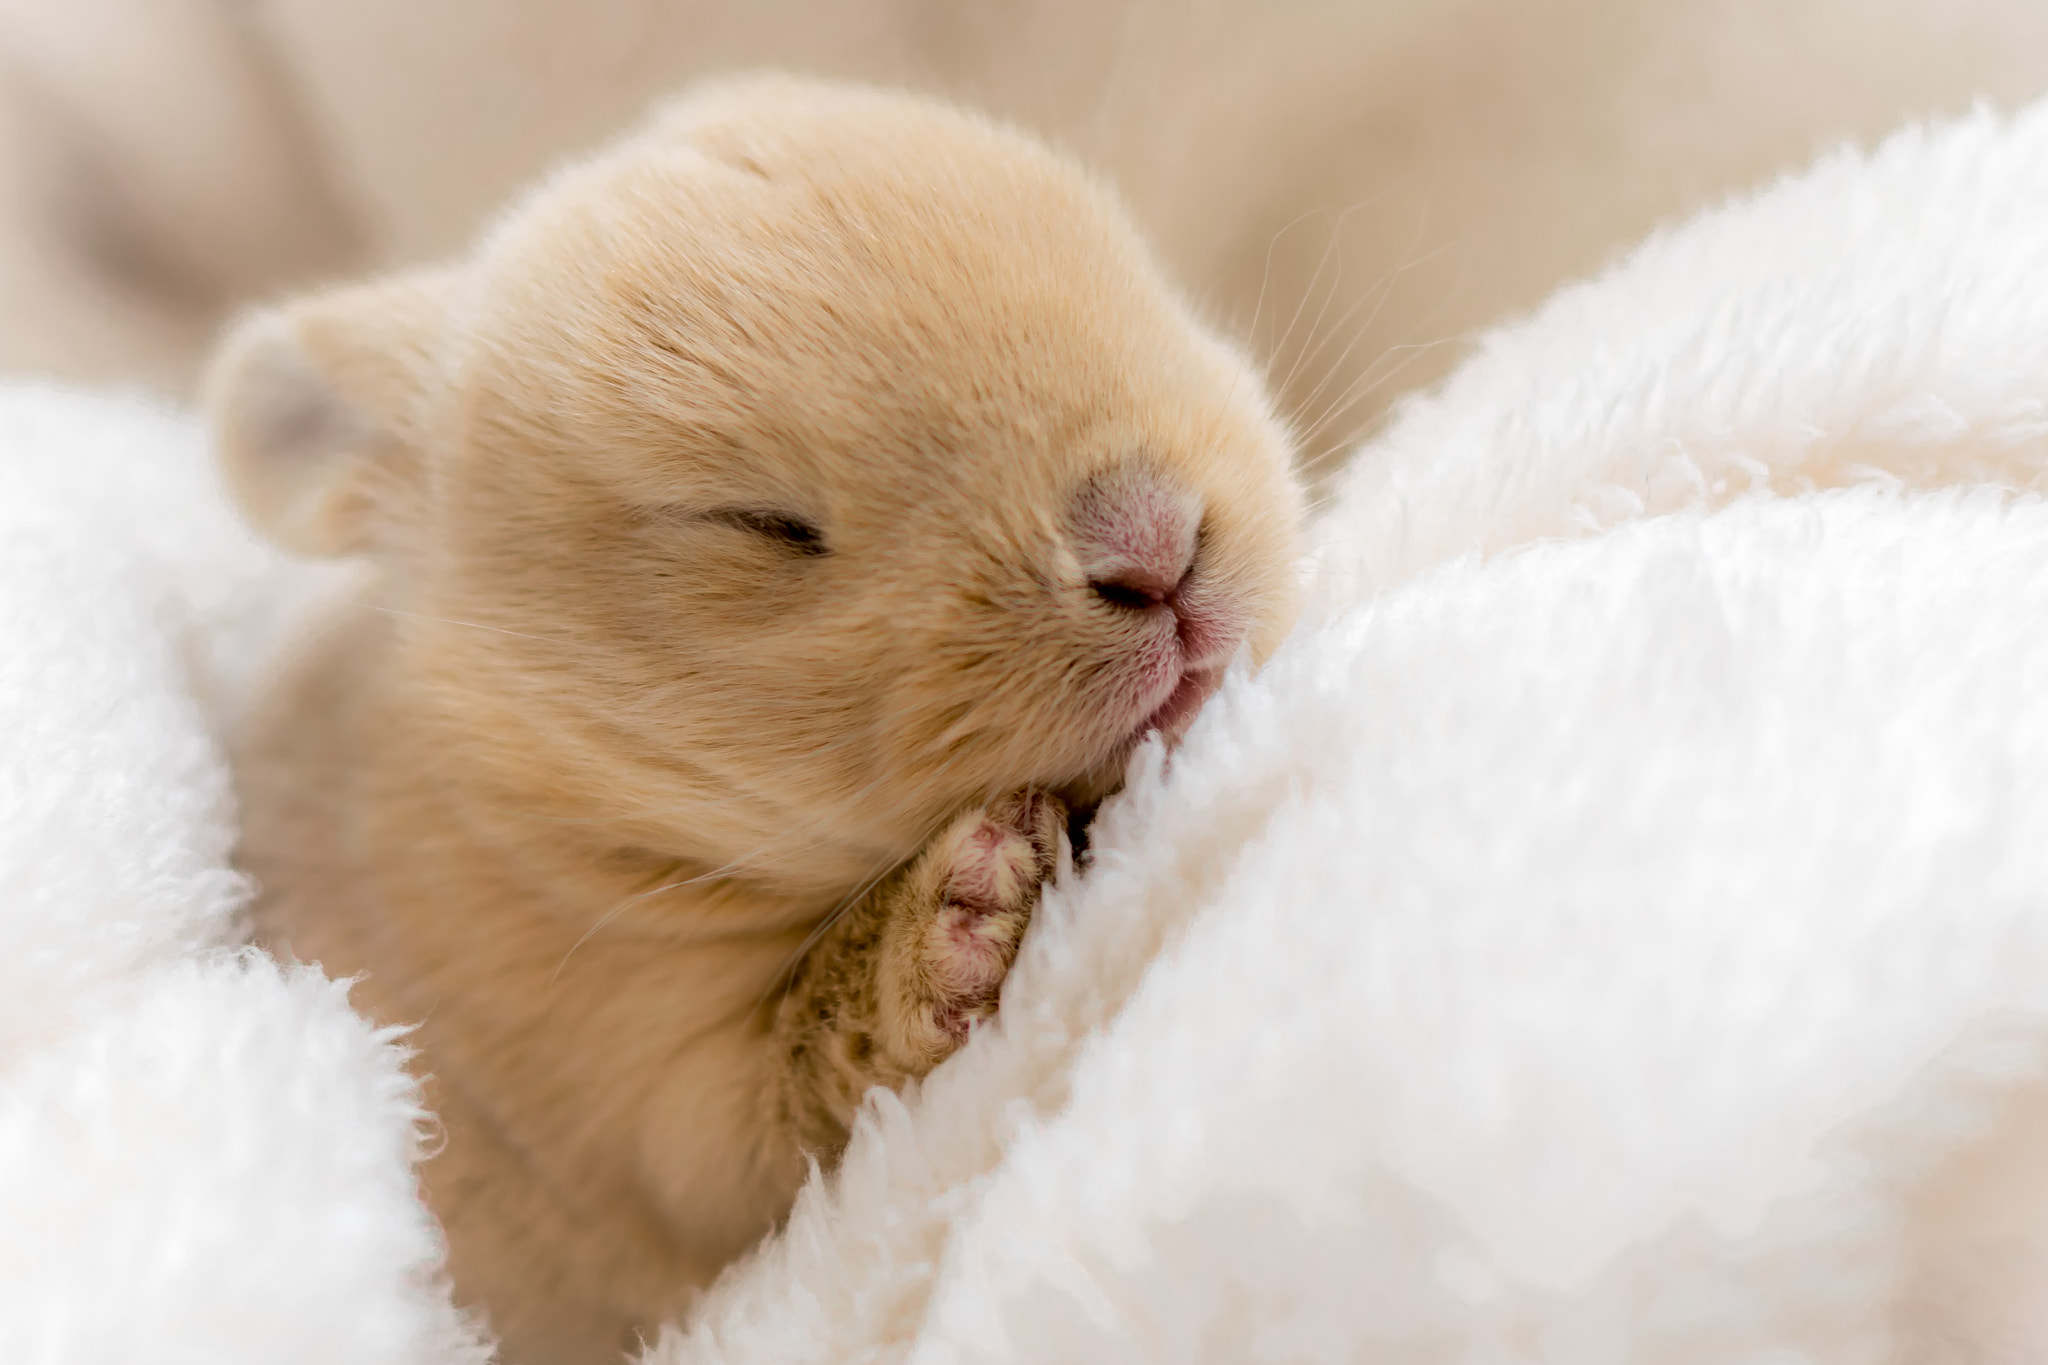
(992, 868)
(967, 953)
(968, 946)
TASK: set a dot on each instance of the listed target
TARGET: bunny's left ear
(318, 406)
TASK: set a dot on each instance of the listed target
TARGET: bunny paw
(972, 894)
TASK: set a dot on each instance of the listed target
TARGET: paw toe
(994, 868)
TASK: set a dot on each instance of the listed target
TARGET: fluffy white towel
(203, 1156)
(1586, 942)
(1583, 942)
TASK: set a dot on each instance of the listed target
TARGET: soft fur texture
(819, 483)
(1613, 929)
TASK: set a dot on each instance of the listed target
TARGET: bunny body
(775, 522)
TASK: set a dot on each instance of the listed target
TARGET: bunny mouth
(1172, 717)
(1169, 720)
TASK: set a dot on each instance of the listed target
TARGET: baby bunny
(774, 524)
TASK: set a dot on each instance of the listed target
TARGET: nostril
(1130, 594)
(1135, 533)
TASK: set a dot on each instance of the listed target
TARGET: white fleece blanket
(203, 1157)
(1590, 940)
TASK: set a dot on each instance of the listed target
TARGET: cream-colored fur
(815, 473)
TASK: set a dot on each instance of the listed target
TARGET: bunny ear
(317, 405)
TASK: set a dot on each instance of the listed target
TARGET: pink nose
(1134, 533)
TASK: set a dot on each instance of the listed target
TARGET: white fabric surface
(203, 1157)
(1628, 886)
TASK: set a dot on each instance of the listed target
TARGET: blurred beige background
(1351, 187)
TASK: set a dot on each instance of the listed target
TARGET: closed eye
(784, 531)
